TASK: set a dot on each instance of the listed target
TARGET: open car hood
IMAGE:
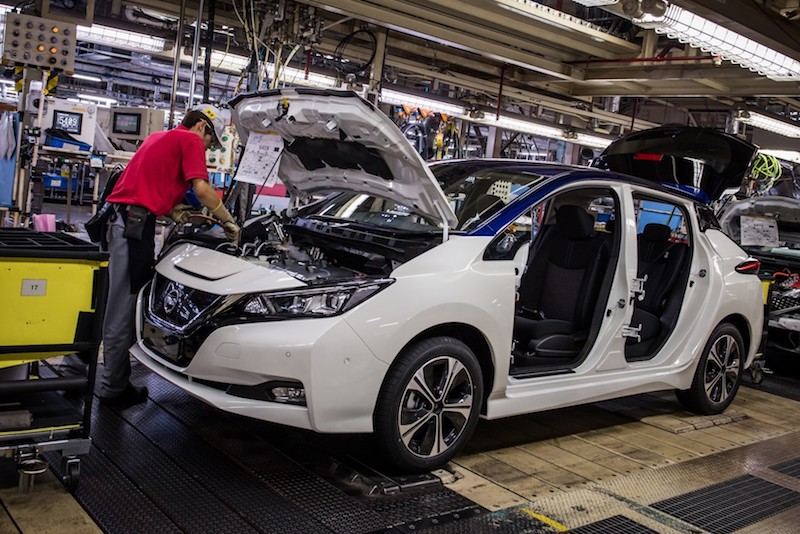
(699, 160)
(337, 141)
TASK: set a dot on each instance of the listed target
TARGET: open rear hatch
(701, 161)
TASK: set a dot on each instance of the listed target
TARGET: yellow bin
(50, 284)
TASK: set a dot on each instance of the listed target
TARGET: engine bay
(314, 251)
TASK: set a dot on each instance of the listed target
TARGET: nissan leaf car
(409, 300)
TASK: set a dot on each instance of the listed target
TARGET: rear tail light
(749, 266)
(646, 156)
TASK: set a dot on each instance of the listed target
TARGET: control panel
(39, 42)
(222, 159)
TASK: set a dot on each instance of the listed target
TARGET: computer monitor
(134, 124)
(126, 123)
(69, 121)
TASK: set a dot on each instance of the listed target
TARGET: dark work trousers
(118, 326)
(120, 314)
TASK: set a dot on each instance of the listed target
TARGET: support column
(177, 67)
(195, 53)
(376, 72)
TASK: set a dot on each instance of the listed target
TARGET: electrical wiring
(352, 67)
(766, 171)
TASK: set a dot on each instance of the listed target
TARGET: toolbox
(53, 288)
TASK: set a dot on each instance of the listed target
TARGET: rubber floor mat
(730, 505)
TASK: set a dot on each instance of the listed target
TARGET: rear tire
(718, 374)
(429, 404)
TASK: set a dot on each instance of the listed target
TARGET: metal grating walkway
(175, 464)
(731, 505)
(790, 468)
(617, 524)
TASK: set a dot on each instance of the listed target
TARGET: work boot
(131, 396)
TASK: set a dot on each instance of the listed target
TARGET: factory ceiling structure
(604, 66)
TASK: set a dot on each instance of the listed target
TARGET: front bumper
(341, 376)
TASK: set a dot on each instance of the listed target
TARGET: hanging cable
(352, 67)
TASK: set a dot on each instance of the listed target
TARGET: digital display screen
(68, 121)
(127, 123)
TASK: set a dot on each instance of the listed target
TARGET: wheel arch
(741, 323)
(472, 338)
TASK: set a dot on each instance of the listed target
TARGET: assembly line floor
(633, 465)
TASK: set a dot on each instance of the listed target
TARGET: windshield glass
(476, 191)
(367, 209)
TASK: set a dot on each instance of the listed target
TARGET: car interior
(565, 286)
(664, 255)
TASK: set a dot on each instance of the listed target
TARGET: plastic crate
(56, 181)
(59, 142)
(50, 284)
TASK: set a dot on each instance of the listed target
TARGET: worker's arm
(210, 200)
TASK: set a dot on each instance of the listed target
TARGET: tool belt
(140, 233)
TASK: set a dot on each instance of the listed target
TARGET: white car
(409, 300)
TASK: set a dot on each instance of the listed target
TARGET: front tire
(429, 404)
(718, 374)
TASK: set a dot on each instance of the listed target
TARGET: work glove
(181, 213)
(228, 224)
(231, 231)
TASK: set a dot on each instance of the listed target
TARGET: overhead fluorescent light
(771, 124)
(697, 32)
(289, 75)
(121, 38)
(390, 96)
(593, 141)
(186, 94)
(294, 76)
(87, 78)
(596, 3)
(225, 61)
(99, 99)
(523, 126)
(788, 155)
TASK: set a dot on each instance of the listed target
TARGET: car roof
(565, 173)
(557, 175)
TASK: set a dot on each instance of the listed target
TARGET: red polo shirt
(161, 171)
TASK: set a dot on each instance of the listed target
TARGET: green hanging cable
(766, 171)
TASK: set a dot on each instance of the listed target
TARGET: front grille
(178, 305)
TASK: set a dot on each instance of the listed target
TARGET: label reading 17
(33, 288)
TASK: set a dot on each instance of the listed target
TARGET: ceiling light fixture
(771, 124)
(225, 61)
(788, 155)
(686, 27)
(87, 78)
(523, 126)
(597, 3)
(99, 99)
(390, 96)
(592, 141)
(121, 38)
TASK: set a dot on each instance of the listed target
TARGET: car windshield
(372, 210)
(476, 192)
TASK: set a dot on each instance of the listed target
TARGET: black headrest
(657, 233)
(574, 222)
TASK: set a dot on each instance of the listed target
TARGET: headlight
(313, 302)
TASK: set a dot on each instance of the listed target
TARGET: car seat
(661, 261)
(559, 289)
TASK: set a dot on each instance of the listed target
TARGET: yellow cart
(53, 288)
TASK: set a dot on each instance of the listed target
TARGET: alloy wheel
(722, 368)
(435, 406)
